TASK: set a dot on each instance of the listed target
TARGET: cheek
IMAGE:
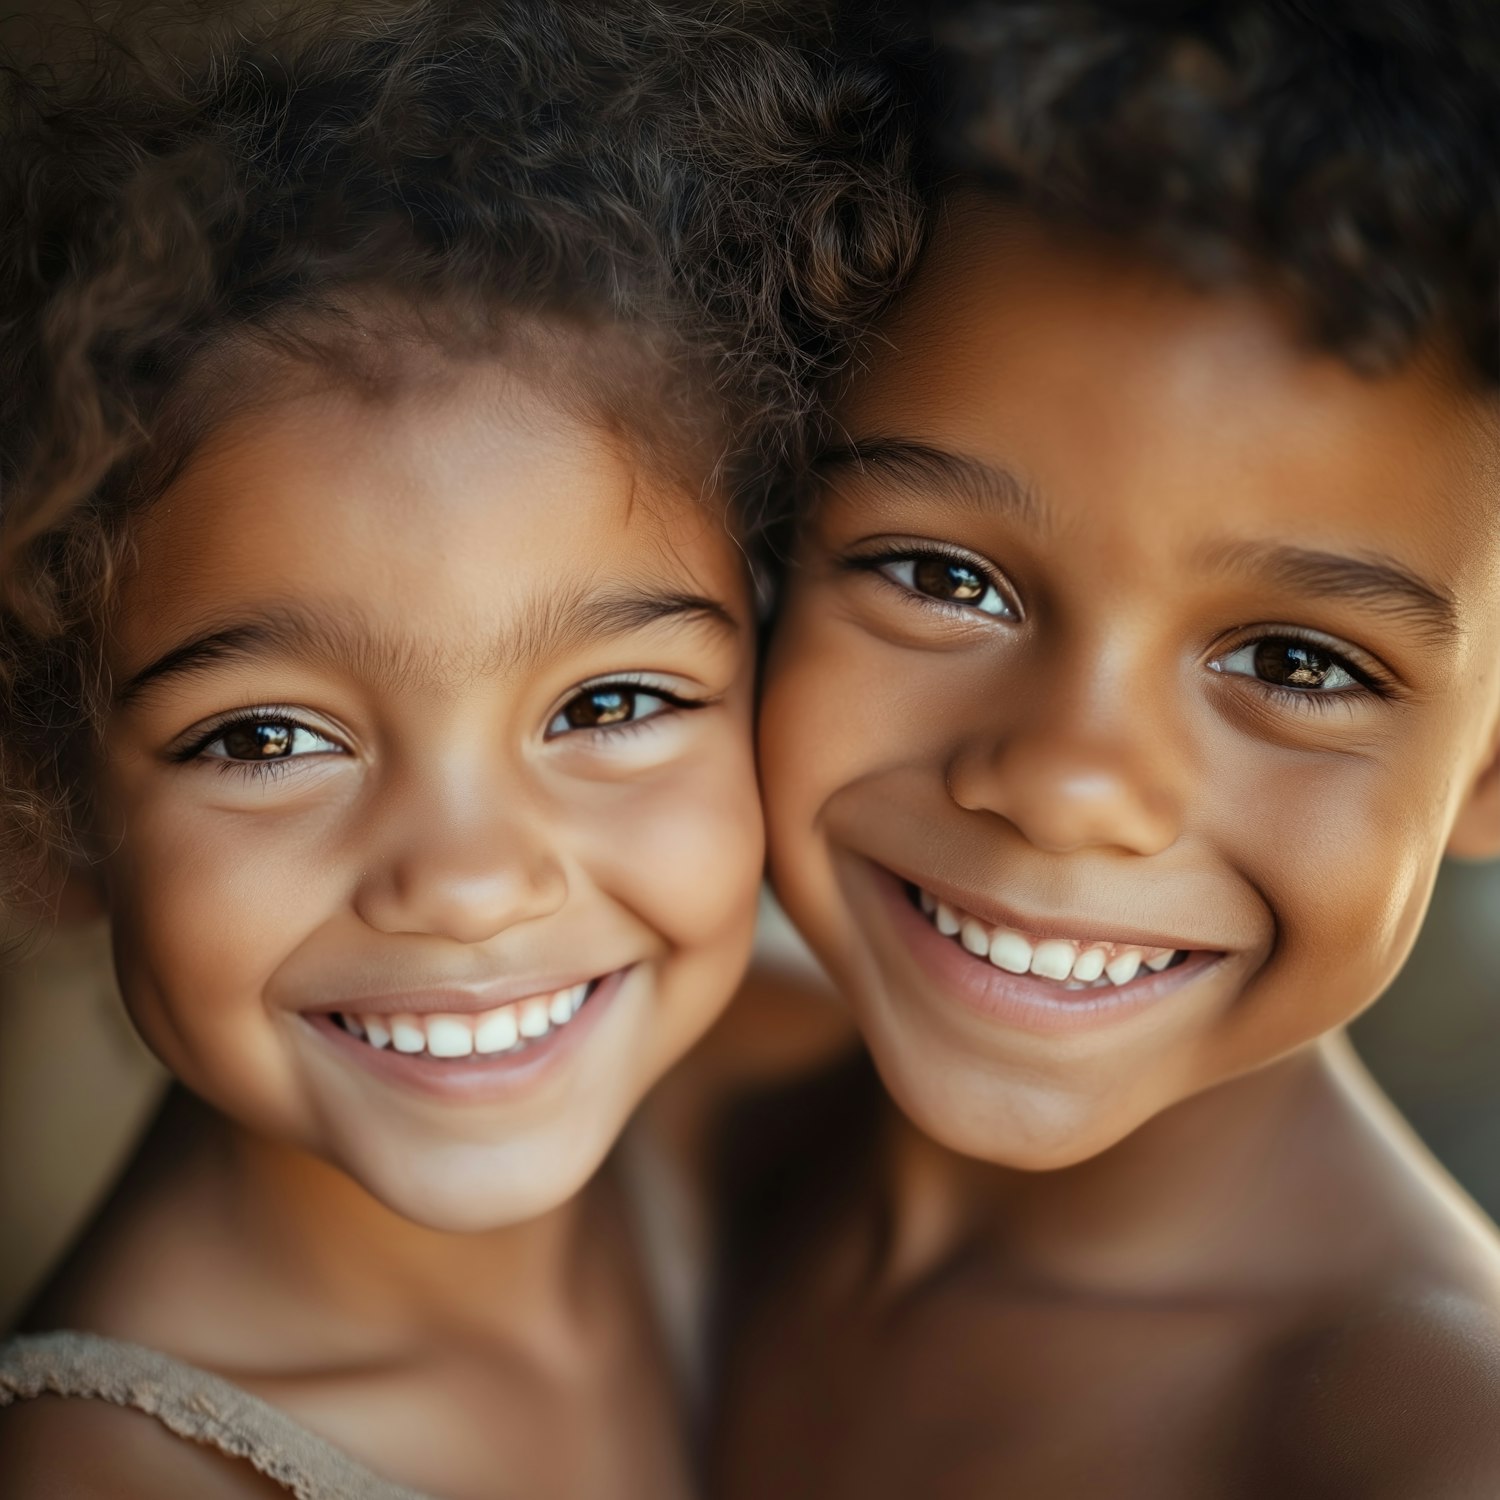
(820, 724)
(203, 908)
(1344, 853)
(844, 719)
(685, 851)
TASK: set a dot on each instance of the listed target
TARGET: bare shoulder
(91, 1450)
(1395, 1396)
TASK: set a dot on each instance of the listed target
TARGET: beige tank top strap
(193, 1404)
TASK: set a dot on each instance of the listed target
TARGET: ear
(1476, 832)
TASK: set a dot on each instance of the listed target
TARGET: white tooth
(1156, 965)
(1053, 959)
(946, 922)
(351, 1024)
(1123, 968)
(407, 1034)
(1090, 966)
(927, 901)
(449, 1036)
(534, 1021)
(577, 995)
(560, 1008)
(496, 1030)
(975, 938)
(1011, 952)
(377, 1033)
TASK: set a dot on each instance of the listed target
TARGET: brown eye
(1286, 662)
(257, 741)
(262, 741)
(613, 705)
(947, 580)
(944, 578)
(601, 707)
(1293, 664)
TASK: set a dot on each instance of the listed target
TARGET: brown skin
(1185, 1248)
(446, 1289)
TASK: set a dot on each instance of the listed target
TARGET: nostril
(1063, 799)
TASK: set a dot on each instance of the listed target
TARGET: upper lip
(467, 999)
(1074, 929)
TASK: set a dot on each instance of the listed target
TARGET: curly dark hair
(715, 180)
(1345, 151)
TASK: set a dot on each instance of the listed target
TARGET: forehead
(440, 515)
(1122, 395)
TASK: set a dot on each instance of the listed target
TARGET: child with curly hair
(388, 404)
(1136, 669)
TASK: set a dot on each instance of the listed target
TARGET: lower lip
(476, 1078)
(1024, 1001)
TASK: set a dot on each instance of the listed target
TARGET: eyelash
(268, 769)
(273, 767)
(874, 563)
(1372, 681)
(610, 732)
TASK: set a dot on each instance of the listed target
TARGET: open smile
(1074, 963)
(446, 1034)
(1035, 981)
(469, 1054)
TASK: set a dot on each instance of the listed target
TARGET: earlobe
(1476, 832)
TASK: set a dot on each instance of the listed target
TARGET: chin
(1025, 1126)
(479, 1191)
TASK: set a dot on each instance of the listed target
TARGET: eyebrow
(1374, 581)
(296, 630)
(905, 464)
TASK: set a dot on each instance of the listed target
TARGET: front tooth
(1090, 965)
(927, 901)
(1156, 965)
(560, 1008)
(975, 938)
(351, 1024)
(1011, 952)
(1053, 959)
(945, 920)
(407, 1034)
(534, 1021)
(497, 1031)
(578, 994)
(377, 1033)
(1123, 968)
(449, 1036)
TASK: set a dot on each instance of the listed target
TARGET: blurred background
(1434, 1040)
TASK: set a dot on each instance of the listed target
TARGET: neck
(1234, 1188)
(315, 1232)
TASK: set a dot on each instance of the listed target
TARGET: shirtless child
(1135, 671)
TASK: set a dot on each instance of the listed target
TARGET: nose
(460, 863)
(1076, 760)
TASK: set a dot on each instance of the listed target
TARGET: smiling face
(427, 805)
(1133, 673)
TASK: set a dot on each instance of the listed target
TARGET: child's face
(1137, 630)
(433, 714)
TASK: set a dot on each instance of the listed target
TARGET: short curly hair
(1345, 151)
(716, 180)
